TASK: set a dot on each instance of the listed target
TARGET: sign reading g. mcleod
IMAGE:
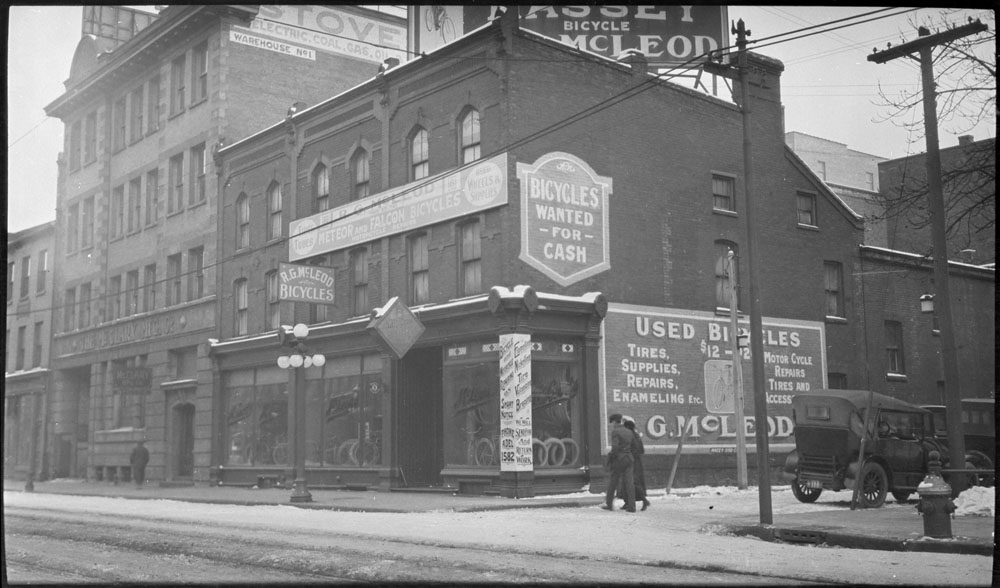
(445, 196)
(564, 218)
(305, 283)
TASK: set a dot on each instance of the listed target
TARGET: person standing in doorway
(619, 465)
(139, 459)
(638, 473)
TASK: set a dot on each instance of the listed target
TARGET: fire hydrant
(935, 500)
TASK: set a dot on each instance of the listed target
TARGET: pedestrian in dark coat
(619, 465)
(638, 472)
(139, 459)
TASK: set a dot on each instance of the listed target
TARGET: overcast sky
(829, 89)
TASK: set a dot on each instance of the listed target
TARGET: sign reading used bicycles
(672, 371)
(448, 195)
(305, 283)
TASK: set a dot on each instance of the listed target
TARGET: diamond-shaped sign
(396, 327)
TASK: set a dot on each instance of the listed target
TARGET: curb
(838, 538)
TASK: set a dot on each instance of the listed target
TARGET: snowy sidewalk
(725, 510)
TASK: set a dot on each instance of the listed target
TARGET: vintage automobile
(979, 428)
(828, 432)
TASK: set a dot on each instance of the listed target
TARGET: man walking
(620, 464)
(139, 459)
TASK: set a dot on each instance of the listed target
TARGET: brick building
(137, 213)
(26, 349)
(594, 252)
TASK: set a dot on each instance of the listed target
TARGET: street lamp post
(299, 359)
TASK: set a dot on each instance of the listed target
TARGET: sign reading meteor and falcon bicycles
(305, 283)
(564, 217)
(671, 370)
(445, 196)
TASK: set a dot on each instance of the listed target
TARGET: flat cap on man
(615, 418)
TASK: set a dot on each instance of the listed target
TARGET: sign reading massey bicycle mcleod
(671, 370)
(305, 283)
(564, 217)
(445, 196)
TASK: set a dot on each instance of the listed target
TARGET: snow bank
(976, 501)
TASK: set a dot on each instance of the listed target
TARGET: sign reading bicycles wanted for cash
(671, 370)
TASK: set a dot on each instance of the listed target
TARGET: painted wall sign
(445, 196)
(671, 370)
(515, 403)
(396, 327)
(564, 217)
(667, 35)
(246, 37)
(332, 30)
(306, 283)
(135, 380)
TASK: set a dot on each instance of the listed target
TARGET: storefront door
(420, 438)
(184, 440)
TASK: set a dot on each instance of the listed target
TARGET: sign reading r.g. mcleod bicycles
(671, 370)
(438, 198)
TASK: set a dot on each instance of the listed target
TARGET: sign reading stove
(564, 217)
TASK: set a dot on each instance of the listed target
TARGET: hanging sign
(305, 283)
(564, 218)
(396, 327)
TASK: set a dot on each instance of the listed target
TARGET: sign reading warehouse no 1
(442, 197)
(305, 283)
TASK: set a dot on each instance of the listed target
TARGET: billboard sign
(671, 370)
(302, 30)
(668, 35)
(305, 283)
(473, 188)
(564, 217)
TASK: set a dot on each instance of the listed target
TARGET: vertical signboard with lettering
(515, 403)
(564, 217)
(671, 370)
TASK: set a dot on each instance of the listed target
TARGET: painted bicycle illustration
(436, 19)
(719, 388)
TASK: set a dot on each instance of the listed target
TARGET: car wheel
(901, 495)
(874, 485)
(803, 494)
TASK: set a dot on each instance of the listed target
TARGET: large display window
(344, 407)
(471, 388)
(256, 416)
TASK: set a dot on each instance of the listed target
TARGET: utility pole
(753, 267)
(738, 409)
(923, 45)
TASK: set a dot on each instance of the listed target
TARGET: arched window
(242, 221)
(321, 187)
(359, 175)
(722, 269)
(419, 166)
(470, 136)
(274, 211)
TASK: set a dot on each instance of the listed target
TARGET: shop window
(471, 252)
(834, 286)
(556, 404)
(198, 165)
(806, 209)
(471, 143)
(723, 289)
(274, 207)
(87, 231)
(472, 409)
(359, 282)
(173, 295)
(85, 302)
(242, 221)
(196, 273)
(360, 175)
(25, 275)
(137, 106)
(135, 205)
(273, 310)
(894, 348)
(240, 303)
(256, 416)
(419, 269)
(723, 192)
(321, 187)
(419, 158)
(152, 196)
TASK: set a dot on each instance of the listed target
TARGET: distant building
(26, 350)
(851, 174)
(146, 106)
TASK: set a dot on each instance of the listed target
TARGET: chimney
(965, 139)
(636, 60)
